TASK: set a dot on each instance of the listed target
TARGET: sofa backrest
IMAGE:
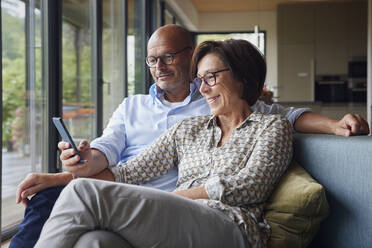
(343, 165)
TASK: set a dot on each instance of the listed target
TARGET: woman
(228, 162)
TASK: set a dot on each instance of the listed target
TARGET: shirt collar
(156, 92)
(255, 116)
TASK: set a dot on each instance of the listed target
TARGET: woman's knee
(101, 239)
(79, 186)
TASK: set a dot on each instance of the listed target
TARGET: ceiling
(248, 5)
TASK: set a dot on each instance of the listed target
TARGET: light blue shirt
(140, 119)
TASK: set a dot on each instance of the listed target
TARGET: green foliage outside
(15, 94)
(76, 88)
(14, 71)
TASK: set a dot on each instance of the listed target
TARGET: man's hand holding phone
(71, 160)
(81, 161)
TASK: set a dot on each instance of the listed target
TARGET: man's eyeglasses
(165, 58)
(210, 77)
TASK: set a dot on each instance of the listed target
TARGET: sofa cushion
(295, 209)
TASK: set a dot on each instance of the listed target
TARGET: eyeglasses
(165, 58)
(210, 77)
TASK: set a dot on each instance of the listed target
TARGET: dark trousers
(36, 214)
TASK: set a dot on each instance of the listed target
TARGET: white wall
(245, 21)
(236, 21)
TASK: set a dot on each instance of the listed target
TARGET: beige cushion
(295, 209)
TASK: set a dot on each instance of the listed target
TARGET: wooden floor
(15, 167)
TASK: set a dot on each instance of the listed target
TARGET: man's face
(173, 77)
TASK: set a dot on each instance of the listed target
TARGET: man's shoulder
(269, 118)
(138, 98)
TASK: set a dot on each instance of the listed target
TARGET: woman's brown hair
(244, 60)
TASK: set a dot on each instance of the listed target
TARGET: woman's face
(225, 95)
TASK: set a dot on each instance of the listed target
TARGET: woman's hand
(193, 193)
(35, 182)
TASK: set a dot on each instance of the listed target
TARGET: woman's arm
(193, 193)
(154, 161)
(254, 183)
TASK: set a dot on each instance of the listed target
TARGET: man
(141, 119)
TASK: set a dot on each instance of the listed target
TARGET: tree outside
(14, 77)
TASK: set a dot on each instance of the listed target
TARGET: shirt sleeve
(291, 113)
(154, 161)
(254, 183)
(113, 140)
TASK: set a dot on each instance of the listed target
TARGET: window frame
(52, 73)
(1, 114)
(51, 33)
(150, 27)
(165, 7)
(96, 66)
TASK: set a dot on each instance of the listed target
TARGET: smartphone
(58, 122)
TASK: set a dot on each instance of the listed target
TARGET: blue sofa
(344, 167)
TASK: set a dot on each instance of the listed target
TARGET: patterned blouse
(239, 176)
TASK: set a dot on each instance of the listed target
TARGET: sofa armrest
(343, 165)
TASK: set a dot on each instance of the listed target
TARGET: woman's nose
(204, 88)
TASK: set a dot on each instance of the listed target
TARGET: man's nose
(160, 64)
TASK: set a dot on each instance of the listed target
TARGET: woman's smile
(211, 100)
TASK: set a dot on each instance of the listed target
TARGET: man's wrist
(64, 178)
(333, 126)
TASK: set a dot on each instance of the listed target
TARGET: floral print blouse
(239, 176)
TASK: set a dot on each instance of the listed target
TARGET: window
(259, 40)
(78, 97)
(23, 106)
(114, 56)
(168, 16)
(136, 48)
(55, 55)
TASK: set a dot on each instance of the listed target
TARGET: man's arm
(35, 182)
(350, 124)
(95, 165)
(303, 120)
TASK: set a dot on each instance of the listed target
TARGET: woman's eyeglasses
(209, 78)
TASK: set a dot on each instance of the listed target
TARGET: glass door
(23, 106)
(79, 91)
(113, 55)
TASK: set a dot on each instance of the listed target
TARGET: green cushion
(295, 209)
